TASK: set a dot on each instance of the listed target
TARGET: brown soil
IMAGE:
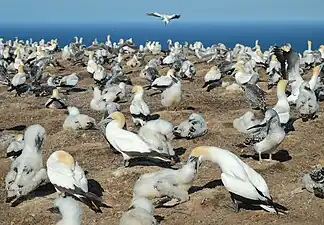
(218, 107)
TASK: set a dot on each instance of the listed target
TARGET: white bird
(270, 136)
(140, 212)
(171, 96)
(55, 101)
(97, 103)
(77, 121)
(212, 78)
(165, 18)
(162, 126)
(163, 82)
(282, 106)
(307, 104)
(244, 122)
(244, 184)
(15, 148)
(68, 178)
(139, 109)
(129, 144)
(70, 210)
(27, 172)
(173, 184)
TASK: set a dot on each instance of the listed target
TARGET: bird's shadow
(41, 191)
(95, 187)
(281, 156)
(142, 161)
(209, 185)
(159, 218)
(77, 90)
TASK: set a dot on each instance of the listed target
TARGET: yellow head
(274, 58)
(322, 47)
(282, 84)
(201, 152)
(309, 43)
(214, 68)
(239, 67)
(171, 72)
(21, 68)
(119, 117)
(286, 47)
(55, 93)
(19, 137)
(65, 158)
(137, 89)
(259, 52)
(316, 70)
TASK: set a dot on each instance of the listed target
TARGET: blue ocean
(230, 33)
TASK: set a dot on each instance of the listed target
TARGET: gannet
(139, 109)
(27, 172)
(244, 184)
(282, 106)
(162, 126)
(150, 74)
(70, 210)
(274, 71)
(194, 127)
(212, 78)
(114, 93)
(140, 212)
(244, 122)
(68, 82)
(129, 144)
(163, 82)
(187, 70)
(270, 136)
(15, 148)
(68, 178)
(171, 96)
(97, 103)
(100, 75)
(55, 101)
(307, 104)
(92, 65)
(313, 181)
(171, 184)
(308, 55)
(77, 121)
(18, 81)
(255, 96)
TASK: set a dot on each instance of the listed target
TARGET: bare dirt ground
(305, 148)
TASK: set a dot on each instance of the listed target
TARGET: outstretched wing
(154, 14)
(174, 16)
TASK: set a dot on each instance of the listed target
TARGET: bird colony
(138, 102)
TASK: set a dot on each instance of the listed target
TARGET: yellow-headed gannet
(129, 144)
(55, 101)
(212, 78)
(68, 178)
(244, 184)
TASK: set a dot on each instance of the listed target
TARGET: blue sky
(105, 11)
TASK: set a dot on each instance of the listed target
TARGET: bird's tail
(94, 202)
(15, 128)
(152, 117)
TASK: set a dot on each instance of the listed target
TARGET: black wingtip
(17, 128)
(153, 117)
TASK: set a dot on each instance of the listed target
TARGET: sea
(228, 33)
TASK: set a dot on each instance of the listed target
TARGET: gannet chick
(307, 104)
(140, 212)
(27, 172)
(114, 93)
(92, 65)
(194, 127)
(70, 210)
(150, 74)
(270, 136)
(244, 122)
(69, 178)
(282, 107)
(244, 184)
(129, 144)
(156, 140)
(162, 126)
(255, 96)
(171, 96)
(77, 121)
(314, 181)
(188, 70)
(15, 148)
(212, 78)
(55, 101)
(171, 184)
(139, 109)
(274, 71)
(97, 103)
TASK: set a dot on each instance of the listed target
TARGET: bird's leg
(260, 157)
(126, 163)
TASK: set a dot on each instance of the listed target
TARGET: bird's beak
(291, 81)
(195, 160)
(257, 126)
